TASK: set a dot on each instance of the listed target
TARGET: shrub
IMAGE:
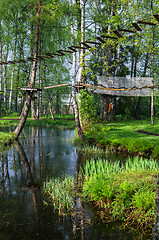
(87, 109)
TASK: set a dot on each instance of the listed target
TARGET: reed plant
(126, 190)
(61, 193)
(91, 149)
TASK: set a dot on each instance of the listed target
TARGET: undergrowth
(127, 191)
(122, 191)
(124, 136)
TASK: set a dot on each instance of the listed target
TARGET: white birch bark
(12, 77)
(5, 78)
(39, 105)
(27, 105)
(0, 61)
(0, 68)
(81, 77)
(75, 105)
(51, 112)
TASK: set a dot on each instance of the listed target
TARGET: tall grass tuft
(92, 149)
(140, 164)
(61, 192)
(100, 166)
(127, 190)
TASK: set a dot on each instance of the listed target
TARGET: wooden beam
(147, 23)
(62, 54)
(22, 60)
(136, 26)
(127, 30)
(29, 59)
(44, 56)
(49, 54)
(117, 33)
(93, 42)
(55, 54)
(157, 17)
(67, 51)
(108, 36)
(74, 50)
(79, 47)
(100, 39)
(60, 85)
(86, 45)
(29, 89)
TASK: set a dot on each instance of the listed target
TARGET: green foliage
(124, 136)
(87, 108)
(61, 192)
(144, 199)
(6, 138)
(127, 190)
(155, 151)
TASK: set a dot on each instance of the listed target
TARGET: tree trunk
(104, 107)
(152, 74)
(5, 74)
(81, 76)
(33, 75)
(12, 76)
(0, 61)
(75, 105)
(105, 62)
(51, 112)
(0, 69)
(33, 113)
(39, 105)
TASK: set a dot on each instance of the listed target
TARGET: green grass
(61, 193)
(126, 192)
(6, 138)
(67, 122)
(64, 124)
(124, 135)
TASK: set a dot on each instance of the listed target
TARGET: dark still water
(41, 154)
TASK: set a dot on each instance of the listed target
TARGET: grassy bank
(66, 121)
(125, 192)
(61, 122)
(120, 192)
(124, 137)
(6, 139)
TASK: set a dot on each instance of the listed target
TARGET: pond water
(43, 153)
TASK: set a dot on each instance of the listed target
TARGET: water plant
(91, 149)
(127, 191)
(61, 193)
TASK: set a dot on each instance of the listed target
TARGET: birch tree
(27, 105)
(74, 59)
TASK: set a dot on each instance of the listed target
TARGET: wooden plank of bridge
(54, 86)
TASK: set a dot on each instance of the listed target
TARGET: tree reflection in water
(43, 153)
